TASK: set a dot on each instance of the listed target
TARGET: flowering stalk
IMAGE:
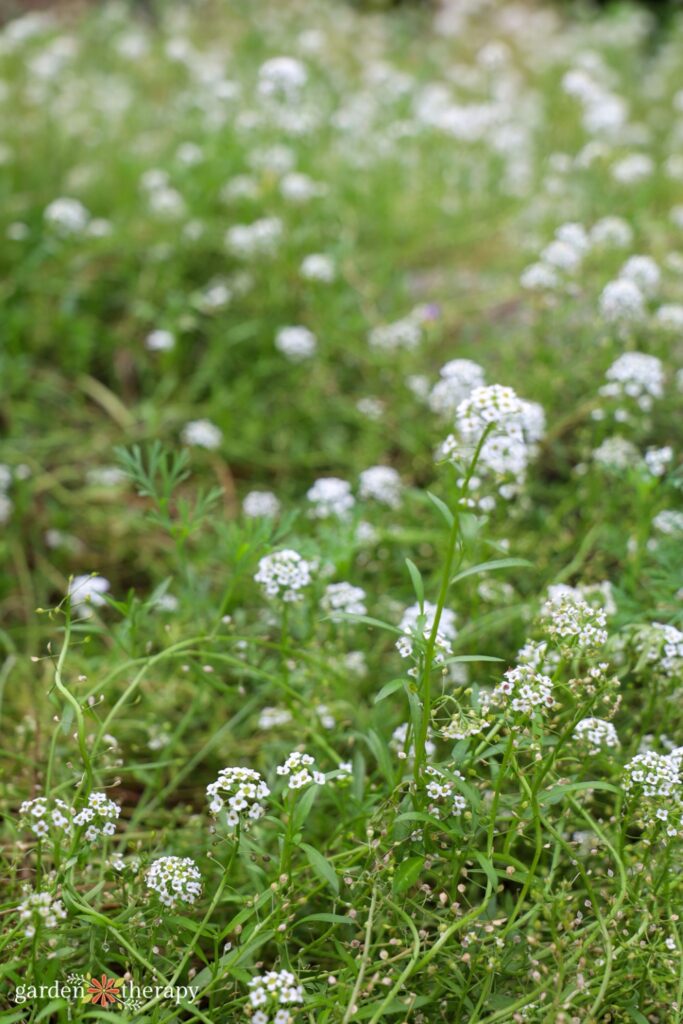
(425, 687)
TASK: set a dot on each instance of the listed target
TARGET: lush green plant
(341, 499)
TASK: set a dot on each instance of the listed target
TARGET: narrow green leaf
(322, 867)
(497, 563)
(379, 749)
(391, 687)
(418, 585)
(407, 873)
(442, 508)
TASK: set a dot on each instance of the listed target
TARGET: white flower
(296, 343)
(296, 767)
(658, 460)
(99, 814)
(417, 624)
(636, 376)
(85, 593)
(442, 790)
(67, 216)
(330, 497)
(318, 267)
(40, 910)
(643, 272)
(382, 484)
(616, 454)
(612, 232)
(274, 990)
(284, 574)
(282, 77)
(622, 301)
(633, 168)
(459, 378)
(260, 238)
(570, 622)
(405, 333)
(341, 600)
(260, 504)
(175, 879)
(242, 790)
(160, 341)
(596, 733)
(202, 434)
(524, 689)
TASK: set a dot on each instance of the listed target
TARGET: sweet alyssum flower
(160, 341)
(202, 434)
(86, 593)
(637, 376)
(330, 496)
(46, 817)
(417, 624)
(67, 216)
(658, 460)
(99, 814)
(398, 741)
(271, 993)
(459, 378)
(284, 574)
(260, 238)
(343, 599)
(596, 734)
(317, 267)
(405, 333)
(662, 645)
(242, 791)
(40, 910)
(655, 781)
(622, 301)
(524, 690)
(296, 343)
(296, 767)
(573, 625)
(616, 454)
(175, 880)
(260, 504)
(382, 484)
(442, 790)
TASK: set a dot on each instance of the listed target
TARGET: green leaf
(322, 867)
(407, 873)
(497, 563)
(554, 795)
(388, 689)
(325, 918)
(488, 868)
(379, 749)
(442, 508)
(418, 585)
(303, 807)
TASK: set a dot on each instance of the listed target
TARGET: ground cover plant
(341, 501)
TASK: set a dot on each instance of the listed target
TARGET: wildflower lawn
(342, 645)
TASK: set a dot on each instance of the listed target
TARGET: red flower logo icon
(104, 991)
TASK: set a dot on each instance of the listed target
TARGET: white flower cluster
(616, 454)
(596, 734)
(67, 216)
(417, 624)
(99, 814)
(669, 522)
(523, 689)
(44, 817)
(341, 600)
(637, 376)
(318, 267)
(271, 717)
(459, 378)
(40, 909)
(658, 460)
(622, 302)
(260, 238)
(398, 743)
(159, 341)
(202, 434)
(572, 624)
(175, 879)
(443, 791)
(86, 593)
(600, 595)
(282, 78)
(260, 504)
(515, 428)
(405, 333)
(382, 484)
(663, 647)
(270, 993)
(296, 767)
(242, 789)
(656, 780)
(296, 343)
(330, 497)
(284, 574)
